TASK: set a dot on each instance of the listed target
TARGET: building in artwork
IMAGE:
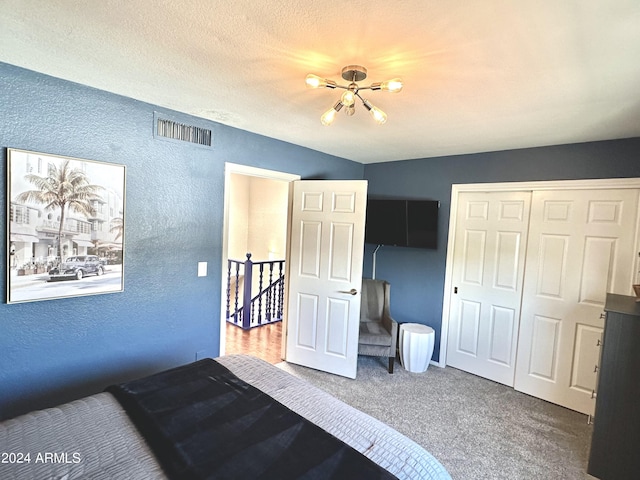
(34, 229)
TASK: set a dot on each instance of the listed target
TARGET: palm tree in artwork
(117, 227)
(67, 189)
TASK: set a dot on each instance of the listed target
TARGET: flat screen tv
(402, 223)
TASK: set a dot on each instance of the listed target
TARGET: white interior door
(581, 246)
(488, 266)
(324, 274)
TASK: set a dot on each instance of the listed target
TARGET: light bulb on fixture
(394, 85)
(348, 98)
(314, 81)
(377, 114)
(329, 116)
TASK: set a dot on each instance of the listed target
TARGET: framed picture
(65, 226)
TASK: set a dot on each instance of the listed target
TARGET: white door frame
(230, 168)
(456, 189)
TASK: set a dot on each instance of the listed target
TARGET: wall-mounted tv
(402, 223)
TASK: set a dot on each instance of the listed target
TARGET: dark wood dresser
(615, 445)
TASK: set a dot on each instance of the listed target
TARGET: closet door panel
(580, 246)
(491, 233)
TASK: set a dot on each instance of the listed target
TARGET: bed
(95, 438)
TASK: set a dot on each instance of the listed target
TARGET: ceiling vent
(169, 129)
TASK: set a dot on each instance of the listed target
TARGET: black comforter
(203, 422)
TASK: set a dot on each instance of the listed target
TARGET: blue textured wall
(417, 276)
(56, 350)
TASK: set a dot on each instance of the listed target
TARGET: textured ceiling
(479, 75)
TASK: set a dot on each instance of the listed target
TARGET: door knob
(353, 291)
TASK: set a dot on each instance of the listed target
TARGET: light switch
(202, 269)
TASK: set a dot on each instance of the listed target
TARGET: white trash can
(416, 346)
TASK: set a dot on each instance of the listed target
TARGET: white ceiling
(479, 75)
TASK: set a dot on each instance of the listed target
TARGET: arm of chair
(392, 327)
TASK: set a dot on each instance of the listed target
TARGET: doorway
(255, 221)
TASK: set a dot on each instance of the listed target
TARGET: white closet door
(581, 246)
(488, 266)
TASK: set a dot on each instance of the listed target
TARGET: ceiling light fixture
(353, 74)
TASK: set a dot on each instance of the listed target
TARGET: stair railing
(267, 305)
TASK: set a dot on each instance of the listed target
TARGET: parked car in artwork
(77, 267)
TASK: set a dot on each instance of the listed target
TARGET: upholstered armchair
(378, 331)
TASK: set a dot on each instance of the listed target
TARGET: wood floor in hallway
(263, 342)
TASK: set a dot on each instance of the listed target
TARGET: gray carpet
(478, 429)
